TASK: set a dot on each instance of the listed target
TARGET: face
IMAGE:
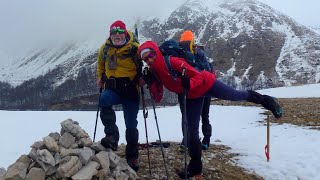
(149, 57)
(117, 36)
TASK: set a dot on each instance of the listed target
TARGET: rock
(114, 159)
(38, 145)
(55, 136)
(2, 173)
(86, 172)
(66, 140)
(18, 170)
(69, 166)
(51, 143)
(103, 159)
(36, 174)
(85, 155)
(45, 156)
(97, 147)
(73, 128)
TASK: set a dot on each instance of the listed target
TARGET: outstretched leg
(223, 91)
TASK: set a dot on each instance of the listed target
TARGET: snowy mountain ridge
(298, 46)
(251, 46)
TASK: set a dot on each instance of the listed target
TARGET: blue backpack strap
(173, 73)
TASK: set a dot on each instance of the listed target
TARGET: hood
(154, 46)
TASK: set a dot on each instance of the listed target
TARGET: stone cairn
(70, 154)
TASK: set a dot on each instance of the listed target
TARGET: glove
(147, 76)
(185, 81)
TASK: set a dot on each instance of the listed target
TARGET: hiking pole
(185, 126)
(95, 127)
(103, 78)
(145, 115)
(161, 146)
(267, 147)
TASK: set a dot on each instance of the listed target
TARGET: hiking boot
(190, 174)
(267, 102)
(109, 142)
(205, 144)
(182, 148)
(133, 163)
(272, 104)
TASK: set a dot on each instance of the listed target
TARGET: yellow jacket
(126, 65)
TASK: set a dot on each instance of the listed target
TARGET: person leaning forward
(119, 74)
(198, 84)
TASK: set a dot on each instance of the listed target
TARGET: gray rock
(86, 172)
(103, 159)
(69, 152)
(73, 128)
(38, 145)
(45, 156)
(66, 140)
(36, 174)
(97, 147)
(114, 159)
(86, 142)
(2, 173)
(85, 155)
(18, 170)
(55, 136)
(69, 166)
(51, 143)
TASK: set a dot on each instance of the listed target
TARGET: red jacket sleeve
(195, 76)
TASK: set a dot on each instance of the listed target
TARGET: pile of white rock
(70, 154)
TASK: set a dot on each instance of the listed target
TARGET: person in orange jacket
(198, 85)
(187, 42)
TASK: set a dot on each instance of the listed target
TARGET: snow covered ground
(294, 150)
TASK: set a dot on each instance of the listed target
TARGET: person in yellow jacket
(119, 74)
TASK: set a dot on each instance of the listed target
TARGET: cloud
(33, 22)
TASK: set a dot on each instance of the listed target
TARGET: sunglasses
(150, 55)
(115, 31)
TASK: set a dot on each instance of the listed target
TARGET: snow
(304, 91)
(294, 150)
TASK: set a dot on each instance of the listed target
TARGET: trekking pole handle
(184, 71)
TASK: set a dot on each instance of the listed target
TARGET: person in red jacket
(198, 85)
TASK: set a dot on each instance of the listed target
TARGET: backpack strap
(105, 52)
(173, 73)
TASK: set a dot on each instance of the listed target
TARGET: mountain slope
(251, 46)
(251, 43)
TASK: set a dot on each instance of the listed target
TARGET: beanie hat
(144, 51)
(118, 25)
(187, 36)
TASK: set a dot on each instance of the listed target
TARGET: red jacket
(200, 82)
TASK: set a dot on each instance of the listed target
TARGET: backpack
(172, 48)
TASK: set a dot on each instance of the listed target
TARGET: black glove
(185, 81)
(147, 76)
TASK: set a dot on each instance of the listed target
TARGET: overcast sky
(305, 12)
(25, 22)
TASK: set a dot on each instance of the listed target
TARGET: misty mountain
(251, 46)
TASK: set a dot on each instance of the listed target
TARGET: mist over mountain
(251, 45)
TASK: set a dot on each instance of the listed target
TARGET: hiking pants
(130, 111)
(222, 91)
(206, 126)
(194, 109)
